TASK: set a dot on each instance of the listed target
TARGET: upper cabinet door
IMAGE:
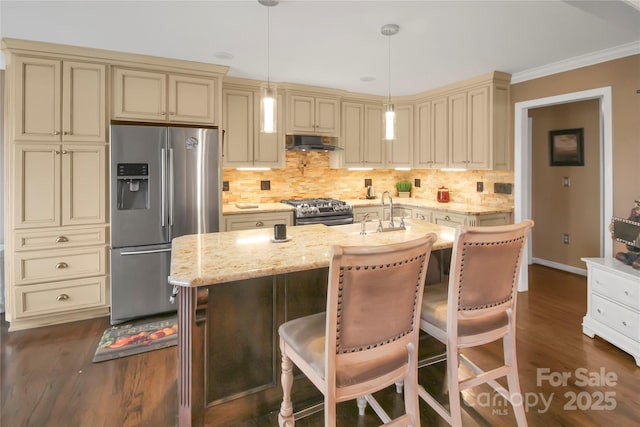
(352, 134)
(400, 150)
(237, 122)
(38, 93)
(478, 127)
(139, 95)
(373, 146)
(84, 102)
(192, 99)
(327, 116)
(458, 130)
(301, 113)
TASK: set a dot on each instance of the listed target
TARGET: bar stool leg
(285, 417)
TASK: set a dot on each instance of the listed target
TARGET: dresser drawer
(57, 297)
(617, 288)
(41, 266)
(28, 240)
(618, 318)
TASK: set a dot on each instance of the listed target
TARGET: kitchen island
(234, 290)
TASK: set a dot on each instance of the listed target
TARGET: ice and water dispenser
(133, 186)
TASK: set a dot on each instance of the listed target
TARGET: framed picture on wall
(566, 147)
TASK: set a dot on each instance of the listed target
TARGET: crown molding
(628, 49)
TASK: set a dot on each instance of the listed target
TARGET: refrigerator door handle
(171, 186)
(151, 251)
(163, 184)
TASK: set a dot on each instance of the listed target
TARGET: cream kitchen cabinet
(404, 212)
(145, 95)
(375, 213)
(58, 275)
(315, 115)
(362, 135)
(256, 220)
(465, 125)
(244, 144)
(400, 150)
(431, 142)
(59, 184)
(59, 100)
(421, 214)
(451, 219)
(613, 304)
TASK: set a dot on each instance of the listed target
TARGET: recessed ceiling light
(367, 79)
(223, 55)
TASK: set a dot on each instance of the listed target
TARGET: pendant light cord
(389, 39)
(268, 47)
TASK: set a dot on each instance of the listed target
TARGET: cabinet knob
(56, 132)
(62, 239)
(624, 323)
(61, 265)
(62, 297)
(599, 311)
(447, 218)
(56, 151)
(163, 113)
(259, 224)
(171, 113)
(626, 293)
(65, 152)
(66, 132)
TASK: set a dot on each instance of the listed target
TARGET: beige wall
(623, 75)
(557, 209)
(1, 157)
(316, 179)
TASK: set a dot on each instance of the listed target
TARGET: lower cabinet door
(59, 297)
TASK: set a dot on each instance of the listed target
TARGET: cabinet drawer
(59, 297)
(41, 266)
(251, 221)
(59, 238)
(374, 213)
(619, 318)
(448, 219)
(422, 215)
(616, 288)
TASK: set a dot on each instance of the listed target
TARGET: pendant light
(268, 91)
(389, 112)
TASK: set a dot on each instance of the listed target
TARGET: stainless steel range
(321, 211)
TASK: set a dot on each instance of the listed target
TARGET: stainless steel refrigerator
(164, 184)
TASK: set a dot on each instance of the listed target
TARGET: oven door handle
(326, 221)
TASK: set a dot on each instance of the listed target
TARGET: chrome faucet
(364, 220)
(390, 206)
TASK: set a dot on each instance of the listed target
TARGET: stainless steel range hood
(311, 143)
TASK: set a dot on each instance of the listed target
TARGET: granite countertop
(207, 259)
(461, 208)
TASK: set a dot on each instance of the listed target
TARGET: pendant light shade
(268, 91)
(389, 114)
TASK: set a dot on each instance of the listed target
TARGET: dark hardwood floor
(48, 378)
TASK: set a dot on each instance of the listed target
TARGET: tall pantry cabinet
(56, 147)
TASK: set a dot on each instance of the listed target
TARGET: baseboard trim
(558, 266)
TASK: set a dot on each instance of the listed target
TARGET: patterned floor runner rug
(137, 337)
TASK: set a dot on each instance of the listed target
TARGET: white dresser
(613, 304)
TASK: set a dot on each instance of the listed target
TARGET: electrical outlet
(367, 182)
(565, 238)
(566, 181)
(479, 186)
(265, 185)
(225, 185)
(416, 182)
(502, 188)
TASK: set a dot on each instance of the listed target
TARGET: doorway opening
(523, 166)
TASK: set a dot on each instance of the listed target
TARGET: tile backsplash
(308, 175)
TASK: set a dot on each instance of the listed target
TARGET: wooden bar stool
(368, 337)
(478, 307)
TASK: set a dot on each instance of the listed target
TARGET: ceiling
(338, 44)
